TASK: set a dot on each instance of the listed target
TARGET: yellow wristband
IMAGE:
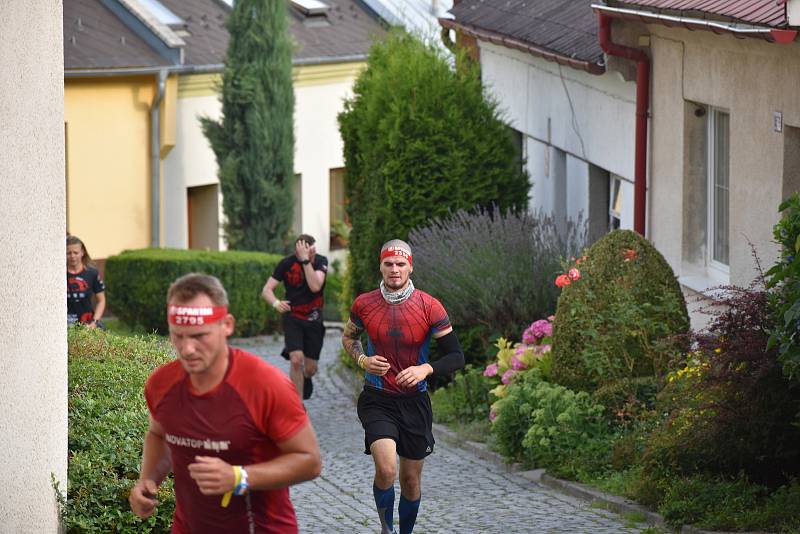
(362, 361)
(237, 472)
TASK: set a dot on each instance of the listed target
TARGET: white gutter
(733, 27)
(155, 159)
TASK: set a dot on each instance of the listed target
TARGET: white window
(718, 147)
(614, 202)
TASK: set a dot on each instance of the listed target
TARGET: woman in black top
(83, 282)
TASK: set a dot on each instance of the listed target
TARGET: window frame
(721, 270)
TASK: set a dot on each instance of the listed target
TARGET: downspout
(642, 105)
(155, 160)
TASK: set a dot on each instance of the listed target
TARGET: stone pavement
(461, 493)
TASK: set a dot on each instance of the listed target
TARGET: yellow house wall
(108, 166)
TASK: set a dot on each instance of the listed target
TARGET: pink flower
(562, 280)
(543, 349)
(491, 370)
(541, 328)
(492, 416)
(528, 337)
(519, 351)
(574, 274)
(551, 318)
(506, 378)
(629, 254)
(517, 365)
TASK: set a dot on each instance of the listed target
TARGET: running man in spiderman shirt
(229, 426)
(394, 407)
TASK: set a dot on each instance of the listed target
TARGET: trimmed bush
(108, 418)
(421, 139)
(137, 282)
(621, 319)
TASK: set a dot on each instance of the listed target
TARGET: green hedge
(137, 282)
(107, 420)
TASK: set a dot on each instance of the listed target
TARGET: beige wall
(750, 79)
(33, 359)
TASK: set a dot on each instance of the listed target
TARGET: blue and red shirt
(242, 420)
(401, 333)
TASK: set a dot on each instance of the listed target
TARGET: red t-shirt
(240, 421)
(401, 333)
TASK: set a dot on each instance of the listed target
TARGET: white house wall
(318, 148)
(751, 80)
(33, 347)
(191, 163)
(590, 118)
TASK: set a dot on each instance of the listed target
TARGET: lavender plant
(494, 268)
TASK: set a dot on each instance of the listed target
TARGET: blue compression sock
(384, 501)
(408, 514)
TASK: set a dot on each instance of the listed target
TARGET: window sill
(707, 284)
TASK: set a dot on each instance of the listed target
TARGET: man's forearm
(351, 340)
(284, 470)
(156, 461)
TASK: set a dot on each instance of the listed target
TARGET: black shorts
(303, 335)
(407, 419)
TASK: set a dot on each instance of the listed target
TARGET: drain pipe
(642, 105)
(155, 160)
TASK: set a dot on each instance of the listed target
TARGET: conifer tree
(254, 140)
(421, 140)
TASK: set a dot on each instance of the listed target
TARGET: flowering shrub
(619, 316)
(731, 409)
(515, 358)
(493, 268)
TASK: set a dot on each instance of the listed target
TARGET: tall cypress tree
(254, 140)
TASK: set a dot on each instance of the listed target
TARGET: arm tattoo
(351, 340)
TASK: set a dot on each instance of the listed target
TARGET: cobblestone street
(461, 493)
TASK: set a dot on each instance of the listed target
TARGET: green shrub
(465, 399)
(622, 317)
(333, 293)
(108, 418)
(493, 268)
(785, 278)
(731, 409)
(414, 153)
(138, 280)
(568, 434)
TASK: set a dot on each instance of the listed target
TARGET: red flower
(562, 280)
(574, 274)
(629, 254)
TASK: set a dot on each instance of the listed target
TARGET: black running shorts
(303, 335)
(406, 419)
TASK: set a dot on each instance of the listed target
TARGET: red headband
(396, 251)
(195, 315)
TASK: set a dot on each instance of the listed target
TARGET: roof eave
(516, 44)
(737, 29)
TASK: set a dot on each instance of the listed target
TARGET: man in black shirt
(303, 275)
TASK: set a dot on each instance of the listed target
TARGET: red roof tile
(760, 12)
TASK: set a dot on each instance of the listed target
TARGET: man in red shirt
(394, 407)
(229, 426)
